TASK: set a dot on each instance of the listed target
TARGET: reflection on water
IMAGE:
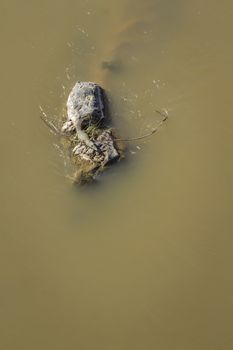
(141, 260)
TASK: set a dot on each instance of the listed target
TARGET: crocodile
(91, 141)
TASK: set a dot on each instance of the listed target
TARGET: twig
(153, 131)
(47, 122)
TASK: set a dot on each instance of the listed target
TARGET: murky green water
(142, 260)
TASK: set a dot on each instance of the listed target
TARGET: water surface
(143, 259)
